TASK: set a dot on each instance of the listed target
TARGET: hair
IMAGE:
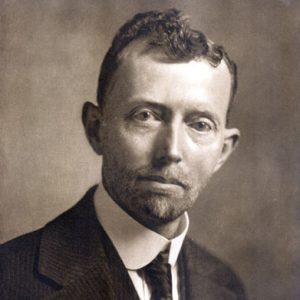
(170, 30)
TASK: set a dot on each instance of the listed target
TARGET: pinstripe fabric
(72, 258)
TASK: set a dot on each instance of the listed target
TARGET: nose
(169, 145)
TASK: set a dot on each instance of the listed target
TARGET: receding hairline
(140, 47)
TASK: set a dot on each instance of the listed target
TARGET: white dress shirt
(137, 245)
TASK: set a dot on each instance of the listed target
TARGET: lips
(162, 179)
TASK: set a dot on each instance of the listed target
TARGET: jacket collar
(73, 255)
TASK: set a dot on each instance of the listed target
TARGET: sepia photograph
(149, 150)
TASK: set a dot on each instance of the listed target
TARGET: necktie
(158, 277)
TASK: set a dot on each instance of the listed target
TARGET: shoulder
(21, 247)
(201, 263)
(17, 265)
(63, 228)
(19, 250)
(35, 264)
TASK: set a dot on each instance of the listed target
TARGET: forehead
(150, 74)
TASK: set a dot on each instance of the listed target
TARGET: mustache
(167, 175)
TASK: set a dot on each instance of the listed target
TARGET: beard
(150, 206)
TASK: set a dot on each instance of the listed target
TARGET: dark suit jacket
(72, 258)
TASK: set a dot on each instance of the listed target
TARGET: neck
(168, 230)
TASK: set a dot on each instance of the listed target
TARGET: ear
(92, 120)
(231, 139)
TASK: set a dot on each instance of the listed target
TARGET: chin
(159, 210)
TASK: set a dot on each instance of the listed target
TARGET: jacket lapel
(204, 276)
(77, 257)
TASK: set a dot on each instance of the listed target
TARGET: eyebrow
(193, 111)
(207, 114)
(149, 103)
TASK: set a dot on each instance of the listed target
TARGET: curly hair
(170, 30)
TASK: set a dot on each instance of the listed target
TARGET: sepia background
(249, 215)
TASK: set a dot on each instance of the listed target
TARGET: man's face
(163, 134)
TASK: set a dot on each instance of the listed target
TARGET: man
(164, 96)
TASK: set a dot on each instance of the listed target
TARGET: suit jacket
(73, 258)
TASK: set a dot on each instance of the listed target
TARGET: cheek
(204, 159)
(132, 149)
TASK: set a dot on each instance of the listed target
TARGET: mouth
(162, 180)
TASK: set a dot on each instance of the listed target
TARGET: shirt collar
(136, 244)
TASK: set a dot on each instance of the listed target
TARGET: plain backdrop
(50, 53)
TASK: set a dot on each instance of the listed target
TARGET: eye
(145, 115)
(202, 126)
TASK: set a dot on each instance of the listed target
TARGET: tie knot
(158, 277)
(161, 259)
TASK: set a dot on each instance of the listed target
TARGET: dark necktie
(158, 277)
